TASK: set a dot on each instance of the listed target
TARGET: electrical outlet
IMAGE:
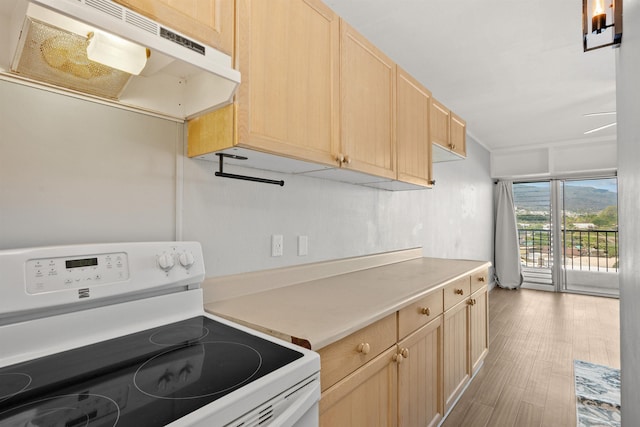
(277, 245)
(303, 245)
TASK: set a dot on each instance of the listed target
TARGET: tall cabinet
(412, 137)
(466, 340)
(368, 95)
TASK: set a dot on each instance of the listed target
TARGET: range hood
(69, 45)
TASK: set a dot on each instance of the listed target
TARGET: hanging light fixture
(601, 23)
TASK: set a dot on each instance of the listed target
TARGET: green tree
(607, 218)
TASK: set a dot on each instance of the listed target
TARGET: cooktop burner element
(13, 383)
(181, 334)
(126, 379)
(72, 410)
(169, 375)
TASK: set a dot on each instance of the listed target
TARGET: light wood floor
(527, 378)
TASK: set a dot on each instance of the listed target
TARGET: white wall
(73, 171)
(628, 108)
(235, 219)
(555, 160)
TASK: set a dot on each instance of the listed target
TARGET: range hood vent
(106, 52)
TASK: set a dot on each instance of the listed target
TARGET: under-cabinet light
(117, 52)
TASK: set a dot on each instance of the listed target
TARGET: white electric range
(116, 335)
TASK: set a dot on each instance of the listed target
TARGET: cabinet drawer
(479, 280)
(419, 313)
(339, 359)
(456, 291)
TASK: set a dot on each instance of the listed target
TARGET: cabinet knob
(426, 311)
(481, 279)
(405, 353)
(458, 291)
(472, 301)
(364, 348)
(398, 358)
(453, 146)
(347, 160)
(432, 182)
(340, 158)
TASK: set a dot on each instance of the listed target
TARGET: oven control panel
(34, 280)
(54, 274)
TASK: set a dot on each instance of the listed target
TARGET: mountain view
(580, 200)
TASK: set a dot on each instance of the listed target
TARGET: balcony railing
(590, 250)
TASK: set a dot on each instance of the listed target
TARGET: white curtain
(507, 250)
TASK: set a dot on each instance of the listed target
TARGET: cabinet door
(458, 132)
(439, 126)
(420, 377)
(456, 354)
(288, 54)
(412, 137)
(367, 93)
(366, 398)
(209, 21)
(478, 322)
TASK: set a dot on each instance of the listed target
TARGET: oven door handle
(307, 400)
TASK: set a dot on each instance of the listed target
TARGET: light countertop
(319, 312)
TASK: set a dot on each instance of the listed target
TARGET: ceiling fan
(606, 113)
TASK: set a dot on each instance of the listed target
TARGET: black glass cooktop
(149, 378)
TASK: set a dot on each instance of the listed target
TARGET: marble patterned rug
(597, 395)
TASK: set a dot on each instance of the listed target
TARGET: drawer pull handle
(458, 291)
(426, 311)
(481, 279)
(397, 358)
(405, 353)
(364, 348)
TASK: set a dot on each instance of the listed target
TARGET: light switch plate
(303, 245)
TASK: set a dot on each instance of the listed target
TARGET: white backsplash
(72, 171)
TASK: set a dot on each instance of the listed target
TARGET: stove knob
(186, 259)
(165, 261)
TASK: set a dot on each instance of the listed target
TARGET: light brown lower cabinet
(366, 398)
(466, 343)
(420, 377)
(456, 355)
(409, 368)
(478, 323)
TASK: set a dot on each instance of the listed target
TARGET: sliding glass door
(590, 236)
(568, 231)
(532, 202)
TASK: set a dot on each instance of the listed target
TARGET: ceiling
(515, 70)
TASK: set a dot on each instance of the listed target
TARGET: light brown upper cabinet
(448, 133)
(368, 95)
(208, 21)
(287, 104)
(458, 135)
(413, 141)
